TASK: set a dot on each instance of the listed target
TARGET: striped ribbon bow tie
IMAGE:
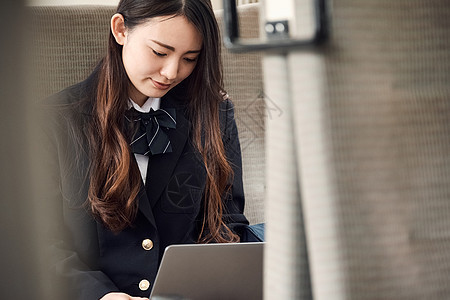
(151, 130)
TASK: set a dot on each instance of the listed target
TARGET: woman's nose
(170, 69)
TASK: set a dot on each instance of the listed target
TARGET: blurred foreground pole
(20, 278)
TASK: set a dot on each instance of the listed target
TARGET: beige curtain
(358, 163)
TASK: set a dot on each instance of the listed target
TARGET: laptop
(210, 271)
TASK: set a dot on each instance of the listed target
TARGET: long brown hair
(115, 180)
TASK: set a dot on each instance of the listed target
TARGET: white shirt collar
(145, 108)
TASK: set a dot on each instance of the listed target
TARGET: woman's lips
(160, 86)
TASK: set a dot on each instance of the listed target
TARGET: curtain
(358, 162)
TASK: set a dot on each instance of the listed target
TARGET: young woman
(144, 153)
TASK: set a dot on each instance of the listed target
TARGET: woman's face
(158, 54)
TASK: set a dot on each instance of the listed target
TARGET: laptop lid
(210, 271)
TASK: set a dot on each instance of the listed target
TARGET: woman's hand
(120, 296)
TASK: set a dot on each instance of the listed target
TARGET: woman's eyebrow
(172, 48)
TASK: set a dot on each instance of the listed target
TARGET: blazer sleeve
(71, 274)
(235, 200)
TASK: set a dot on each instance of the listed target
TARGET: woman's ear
(118, 28)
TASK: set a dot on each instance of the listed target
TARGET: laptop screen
(210, 271)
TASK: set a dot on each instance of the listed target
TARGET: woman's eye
(190, 59)
(158, 53)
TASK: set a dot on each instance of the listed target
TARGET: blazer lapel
(144, 205)
(160, 167)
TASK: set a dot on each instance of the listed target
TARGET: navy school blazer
(90, 259)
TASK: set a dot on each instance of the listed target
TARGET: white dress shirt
(142, 160)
